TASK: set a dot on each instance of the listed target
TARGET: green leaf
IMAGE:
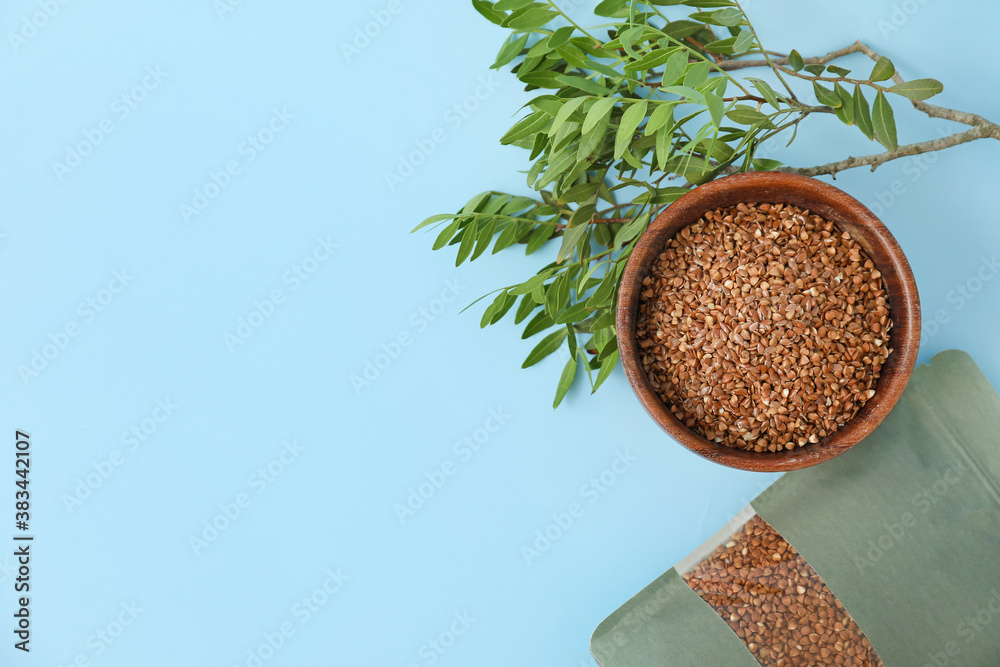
(517, 204)
(571, 236)
(550, 104)
(662, 114)
(446, 235)
(845, 112)
(631, 230)
(547, 346)
(605, 320)
(607, 365)
(722, 46)
(539, 145)
(600, 111)
(567, 109)
(524, 309)
(507, 238)
(743, 42)
(627, 38)
(504, 308)
(745, 115)
(883, 70)
(485, 237)
(724, 17)
(612, 8)
(556, 168)
(565, 381)
(468, 242)
(557, 295)
(560, 37)
(663, 138)
(581, 285)
(826, 96)
(690, 93)
(496, 202)
(674, 69)
(606, 70)
(764, 164)
(884, 122)
(507, 5)
(918, 89)
(510, 50)
(475, 204)
(579, 193)
(651, 60)
(580, 83)
(815, 70)
(487, 10)
(571, 341)
(765, 90)
(715, 108)
(531, 283)
(492, 309)
(795, 61)
(576, 313)
(592, 140)
(605, 340)
(525, 127)
(540, 79)
(699, 3)
(531, 19)
(583, 214)
(601, 298)
(539, 323)
(431, 220)
(862, 113)
(538, 238)
(697, 74)
(629, 124)
(662, 196)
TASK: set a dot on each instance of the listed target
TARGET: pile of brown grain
(763, 327)
(777, 603)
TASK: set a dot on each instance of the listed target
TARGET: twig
(767, 56)
(818, 60)
(596, 221)
(875, 161)
(695, 42)
(981, 128)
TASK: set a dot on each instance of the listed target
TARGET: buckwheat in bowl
(768, 321)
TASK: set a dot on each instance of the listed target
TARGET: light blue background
(323, 176)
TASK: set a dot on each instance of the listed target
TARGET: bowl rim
(904, 310)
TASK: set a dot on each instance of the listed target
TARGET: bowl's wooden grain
(830, 203)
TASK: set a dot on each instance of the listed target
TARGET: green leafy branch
(624, 126)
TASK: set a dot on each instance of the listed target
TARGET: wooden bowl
(849, 215)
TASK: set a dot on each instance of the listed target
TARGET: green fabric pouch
(904, 529)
